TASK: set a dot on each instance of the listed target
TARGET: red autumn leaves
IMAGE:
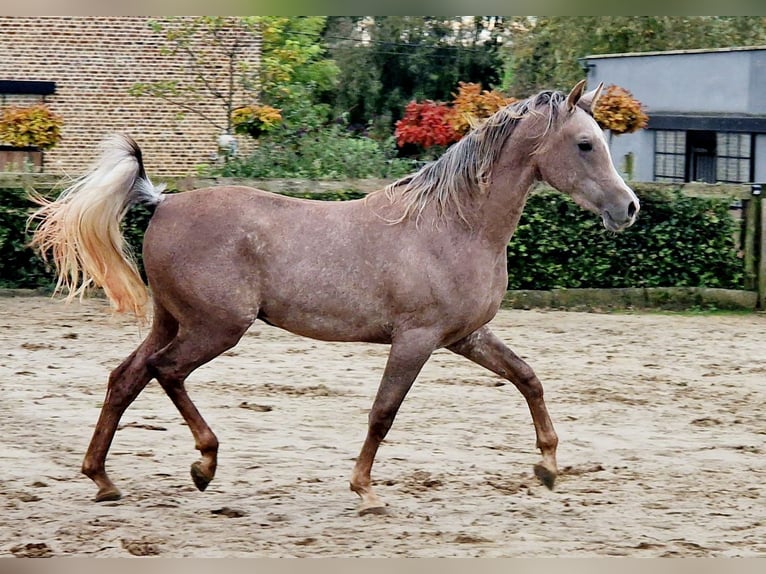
(429, 123)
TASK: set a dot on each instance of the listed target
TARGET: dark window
(734, 157)
(669, 155)
(27, 87)
(698, 155)
(700, 149)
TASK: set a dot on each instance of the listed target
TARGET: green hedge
(19, 266)
(678, 241)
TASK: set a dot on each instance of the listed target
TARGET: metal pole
(761, 250)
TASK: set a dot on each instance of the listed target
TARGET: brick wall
(94, 61)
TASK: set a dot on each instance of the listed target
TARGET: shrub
(617, 111)
(471, 103)
(329, 153)
(431, 124)
(20, 267)
(677, 241)
(426, 125)
(255, 120)
(32, 126)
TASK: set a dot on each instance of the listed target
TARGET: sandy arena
(661, 420)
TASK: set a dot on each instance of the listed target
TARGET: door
(701, 156)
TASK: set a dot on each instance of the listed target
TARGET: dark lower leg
(125, 383)
(486, 349)
(205, 440)
(192, 348)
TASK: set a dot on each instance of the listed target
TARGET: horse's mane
(464, 168)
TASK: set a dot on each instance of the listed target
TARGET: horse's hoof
(545, 475)
(201, 480)
(379, 510)
(108, 494)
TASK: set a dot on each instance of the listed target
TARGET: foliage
(291, 74)
(617, 111)
(19, 266)
(545, 49)
(255, 120)
(677, 241)
(425, 124)
(295, 73)
(216, 52)
(472, 103)
(387, 61)
(31, 126)
(327, 153)
(434, 124)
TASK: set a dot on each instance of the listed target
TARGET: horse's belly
(327, 322)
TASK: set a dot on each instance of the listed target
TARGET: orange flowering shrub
(31, 126)
(471, 102)
(254, 120)
(432, 123)
(618, 111)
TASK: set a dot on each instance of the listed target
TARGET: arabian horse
(418, 265)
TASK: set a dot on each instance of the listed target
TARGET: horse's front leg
(486, 349)
(409, 352)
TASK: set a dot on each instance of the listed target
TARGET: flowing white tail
(81, 228)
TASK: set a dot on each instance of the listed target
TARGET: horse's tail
(81, 228)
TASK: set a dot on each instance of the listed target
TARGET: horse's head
(574, 158)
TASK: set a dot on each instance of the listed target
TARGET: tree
(295, 73)
(220, 59)
(234, 62)
(545, 50)
(387, 61)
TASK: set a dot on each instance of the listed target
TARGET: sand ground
(661, 420)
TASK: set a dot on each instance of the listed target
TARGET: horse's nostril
(632, 209)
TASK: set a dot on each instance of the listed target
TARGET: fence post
(751, 214)
(760, 228)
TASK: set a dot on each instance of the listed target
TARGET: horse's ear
(588, 100)
(575, 95)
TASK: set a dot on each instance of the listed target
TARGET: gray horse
(419, 265)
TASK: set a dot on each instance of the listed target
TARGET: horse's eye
(585, 146)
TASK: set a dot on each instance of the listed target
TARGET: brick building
(90, 63)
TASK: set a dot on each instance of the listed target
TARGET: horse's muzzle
(619, 221)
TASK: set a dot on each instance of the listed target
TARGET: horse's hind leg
(125, 384)
(193, 347)
(486, 349)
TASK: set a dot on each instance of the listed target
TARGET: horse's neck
(498, 209)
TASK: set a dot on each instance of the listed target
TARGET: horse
(418, 265)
